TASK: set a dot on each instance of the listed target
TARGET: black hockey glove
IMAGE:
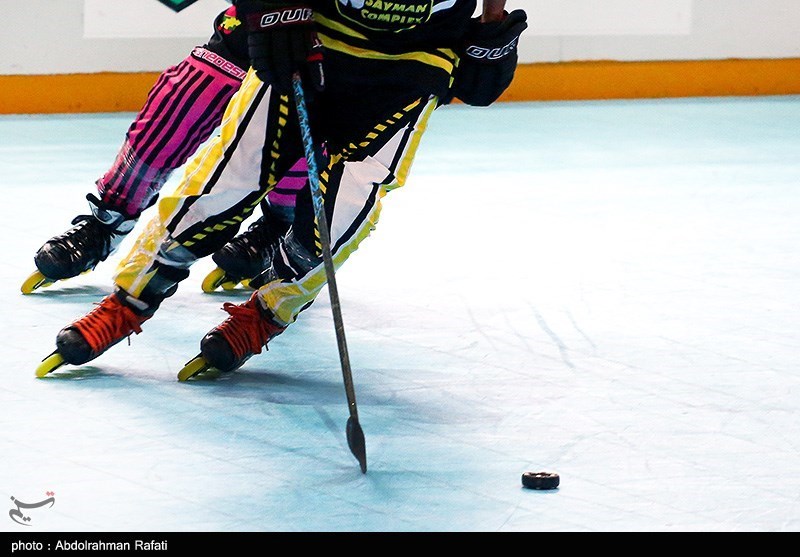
(488, 59)
(282, 39)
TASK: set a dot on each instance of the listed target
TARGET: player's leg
(182, 109)
(359, 173)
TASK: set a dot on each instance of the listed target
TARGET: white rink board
(123, 19)
(609, 17)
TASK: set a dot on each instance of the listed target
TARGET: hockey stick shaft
(355, 435)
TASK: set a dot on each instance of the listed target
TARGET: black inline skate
(246, 256)
(80, 249)
(226, 347)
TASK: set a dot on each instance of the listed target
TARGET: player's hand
(489, 59)
(281, 40)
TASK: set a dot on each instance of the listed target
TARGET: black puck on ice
(540, 480)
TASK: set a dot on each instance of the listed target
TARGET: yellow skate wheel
(193, 367)
(214, 280)
(50, 363)
(36, 280)
(229, 285)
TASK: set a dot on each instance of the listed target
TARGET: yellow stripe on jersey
(444, 58)
(336, 26)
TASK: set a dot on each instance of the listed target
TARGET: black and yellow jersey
(384, 48)
(397, 24)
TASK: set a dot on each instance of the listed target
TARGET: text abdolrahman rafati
(87, 545)
(92, 545)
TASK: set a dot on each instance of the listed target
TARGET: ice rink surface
(608, 290)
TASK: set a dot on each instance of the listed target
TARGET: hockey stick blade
(357, 443)
(177, 5)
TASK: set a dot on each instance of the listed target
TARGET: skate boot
(115, 318)
(244, 257)
(229, 345)
(91, 240)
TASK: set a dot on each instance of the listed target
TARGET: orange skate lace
(109, 322)
(246, 330)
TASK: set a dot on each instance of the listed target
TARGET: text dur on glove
(281, 40)
(489, 59)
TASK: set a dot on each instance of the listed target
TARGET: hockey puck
(540, 480)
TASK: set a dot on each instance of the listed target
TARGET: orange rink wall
(123, 92)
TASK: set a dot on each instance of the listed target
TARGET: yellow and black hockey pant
(259, 141)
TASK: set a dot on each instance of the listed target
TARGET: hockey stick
(355, 436)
